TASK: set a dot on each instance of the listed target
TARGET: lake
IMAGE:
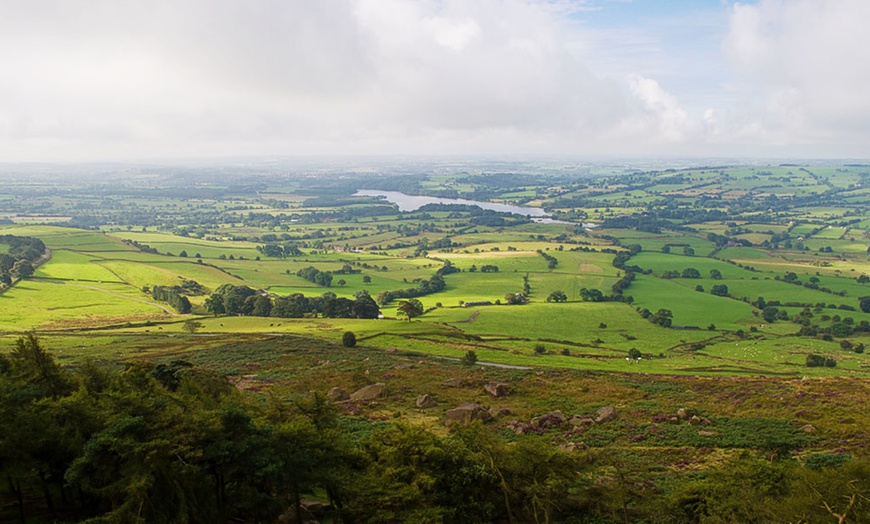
(412, 203)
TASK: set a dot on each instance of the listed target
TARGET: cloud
(131, 79)
(805, 66)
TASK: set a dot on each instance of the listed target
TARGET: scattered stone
(405, 366)
(369, 392)
(337, 394)
(809, 428)
(573, 446)
(495, 412)
(315, 507)
(682, 414)
(425, 401)
(674, 420)
(452, 383)
(517, 427)
(695, 420)
(580, 420)
(707, 433)
(465, 414)
(550, 420)
(497, 389)
(605, 414)
(391, 350)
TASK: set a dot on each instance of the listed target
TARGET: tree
(720, 290)
(591, 295)
(470, 358)
(865, 304)
(348, 339)
(688, 251)
(22, 269)
(215, 305)
(191, 325)
(666, 249)
(690, 272)
(557, 296)
(715, 274)
(341, 282)
(367, 279)
(634, 353)
(410, 308)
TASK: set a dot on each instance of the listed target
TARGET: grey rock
(573, 446)
(337, 394)
(466, 414)
(682, 414)
(452, 383)
(605, 414)
(425, 401)
(369, 392)
(580, 420)
(809, 428)
(497, 389)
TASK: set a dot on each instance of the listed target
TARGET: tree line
(230, 299)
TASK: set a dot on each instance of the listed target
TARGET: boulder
(466, 414)
(550, 420)
(452, 383)
(605, 414)
(580, 420)
(809, 428)
(369, 392)
(498, 412)
(517, 427)
(425, 401)
(497, 389)
(337, 394)
(315, 507)
(573, 446)
(682, 414)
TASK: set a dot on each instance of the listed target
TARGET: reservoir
(412, 203)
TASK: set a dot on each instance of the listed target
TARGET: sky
(118, 80)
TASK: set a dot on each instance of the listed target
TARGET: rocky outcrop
(497, 389)
(466, 414)
(426, 401)
(337, 394)
(370, 392)
(605, 414)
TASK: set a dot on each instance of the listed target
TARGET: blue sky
(132, 80)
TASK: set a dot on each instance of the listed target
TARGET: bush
(814, 361)
(348, 339)
(470, 358)
(540, 349)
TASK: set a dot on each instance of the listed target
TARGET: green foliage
(470, 358)
(348, 339)
(557, 296)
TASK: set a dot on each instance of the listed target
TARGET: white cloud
(196, 78)
(807, 67)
